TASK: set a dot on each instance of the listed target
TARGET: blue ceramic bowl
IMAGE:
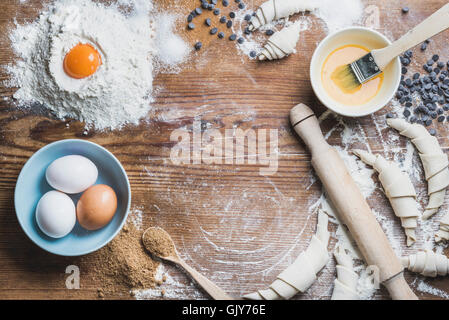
(32, 185)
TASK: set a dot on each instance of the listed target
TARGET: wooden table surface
(236, 226)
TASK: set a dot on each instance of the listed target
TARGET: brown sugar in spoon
(159, 243)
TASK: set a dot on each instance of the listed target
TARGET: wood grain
(237, 227)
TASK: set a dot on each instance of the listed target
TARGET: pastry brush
(349, 77)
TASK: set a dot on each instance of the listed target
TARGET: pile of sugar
(171, 49)
(118, 93)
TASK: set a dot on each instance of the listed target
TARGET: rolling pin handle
(399, 288)
(306, 125)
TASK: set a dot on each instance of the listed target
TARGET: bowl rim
(111, 155)
(384, 101)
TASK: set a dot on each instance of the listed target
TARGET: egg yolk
(82, 61)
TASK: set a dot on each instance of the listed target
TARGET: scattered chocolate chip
(423, 46)
(240, 40)
(269, 32)
(190, 18)
(221, 35)
(435, 57)
(232, 15)
(406, 113)
(198, 45)
(247, 31)
(441, 118)
(191, 26)
(208, 22)
(216, 11)
(232, 37)
(223, 19)
(213, 30)
(241, 6)
(229, 24)
(432, 132)
(405, 10)
(247, 17)
(198, 11)
(225, 3)
(404, 70)
(253, 54)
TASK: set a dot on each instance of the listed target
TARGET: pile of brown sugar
(158, 242)
(123, 264)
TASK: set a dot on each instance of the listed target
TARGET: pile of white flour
(118, 93)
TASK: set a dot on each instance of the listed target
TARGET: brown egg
(96, 207)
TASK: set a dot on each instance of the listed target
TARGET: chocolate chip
(435, 57)
(408, 54)
(191, 26)
(241, 6)
(208, 22)
(441, 118)
(216, 12)
(198, 45)
(423, 46)
(247, 17)
(221, 35)
(416, 76)
(253, 54)
(190, 18)
(229, 24)
(406, 113)
(247, 31)
(213, 30)
(232, 15)
(427, 122)
(269, 32)
(405, 10)
(232, 37)
(404, 70)
(225, 3)
(432, 132)
(240, 40)
(198, 11)
(223, 19)
(389, 115)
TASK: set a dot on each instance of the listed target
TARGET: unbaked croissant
(300, 275)
(345, 286)
(277, 9)
(434, 161)
(282, 43)
(399, 190)
(435, 165)
(427, 263)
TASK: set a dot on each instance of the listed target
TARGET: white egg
(71, 174)
(56, 214)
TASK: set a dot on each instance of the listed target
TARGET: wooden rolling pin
(350, 204)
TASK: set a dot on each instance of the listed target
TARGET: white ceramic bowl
(361, 36)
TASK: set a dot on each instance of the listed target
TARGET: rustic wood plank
(234, 225)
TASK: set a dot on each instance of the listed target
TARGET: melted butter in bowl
(341, 57)
(342, 48)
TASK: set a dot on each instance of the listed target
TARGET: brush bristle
(345, 78)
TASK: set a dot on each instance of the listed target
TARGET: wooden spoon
(211, 288)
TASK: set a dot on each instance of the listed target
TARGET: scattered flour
(426, 288)
(118, 93)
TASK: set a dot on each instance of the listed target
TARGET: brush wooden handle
(211, 288)
(437, 22)
(350, 204)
